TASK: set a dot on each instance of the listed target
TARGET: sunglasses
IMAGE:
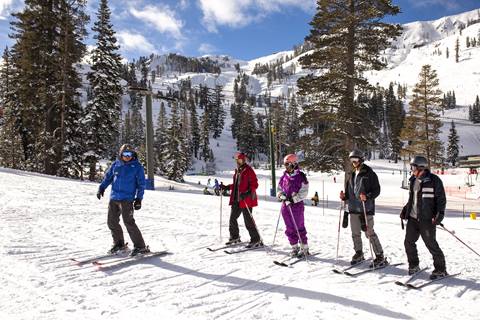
(127, 154)
(353, 160)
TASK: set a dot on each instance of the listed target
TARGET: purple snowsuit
(294, 185)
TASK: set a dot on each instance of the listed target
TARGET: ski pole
(369, 238)
(453, 234)
(338, 233)
(276, 229)
(298, 232)
(221, 206)
(254, 223)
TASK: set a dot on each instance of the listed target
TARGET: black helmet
(419, 161)
(356, 154)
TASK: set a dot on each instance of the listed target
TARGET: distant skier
(292, 189)
(361, 189)
(424, 210)
(315, 199)
(216, 188)
(243, 197)
(127, 177)
(206, 192)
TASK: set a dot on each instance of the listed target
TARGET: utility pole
(149, 182)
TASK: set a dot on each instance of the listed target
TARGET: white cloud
(4, 6)
(163, 19)
(239, 13)
(448, 4)
(134, 42)
(206, 48)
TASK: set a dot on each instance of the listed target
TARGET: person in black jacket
(361, 189)
(424, 210)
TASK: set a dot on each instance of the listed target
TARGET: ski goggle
(354, 160)
(127, 154)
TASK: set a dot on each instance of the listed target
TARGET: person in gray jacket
(361, 189)
(424, 210)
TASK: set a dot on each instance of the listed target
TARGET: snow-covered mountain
(422, 42)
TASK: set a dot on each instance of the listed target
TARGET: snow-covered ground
(46, 221)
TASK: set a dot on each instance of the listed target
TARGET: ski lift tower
(149, 182)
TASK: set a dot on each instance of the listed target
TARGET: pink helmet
(290, 158)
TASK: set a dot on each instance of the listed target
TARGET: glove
(137, 204)
(363, 223)
(281, 196)
(403, 214)
(363, 197)
(345, 219)
(100, 193)
(244, 195)
(438, 218)
(342, 196)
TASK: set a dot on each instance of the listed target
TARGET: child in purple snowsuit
(292, 189)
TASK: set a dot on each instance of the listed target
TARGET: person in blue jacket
(127, 177)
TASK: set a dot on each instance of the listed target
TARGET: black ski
(283, 263)
(413, 276)
(426, 283)
(226, 246)
(371, 269)
(342, 271)
(100, 257)
(245, 249)
(134, 258)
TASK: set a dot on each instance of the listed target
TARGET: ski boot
(438, 274)
(119, 246)
(295, 250)
(137, 251)
(413, 270)
(379, 262)
(302, 253)
(357, 257)
(233, 241)
(254, 244)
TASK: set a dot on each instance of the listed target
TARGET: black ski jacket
(431, 199)
(366, 182)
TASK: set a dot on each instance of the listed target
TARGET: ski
(413, 276)
(129, 258)
(242, 250)
(283, 263)
(371, 269)
(100, 257)
(426, 283)
(342, 271)
(226, 246)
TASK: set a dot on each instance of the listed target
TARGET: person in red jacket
(243, 198)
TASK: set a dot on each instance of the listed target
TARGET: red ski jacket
(247, 183)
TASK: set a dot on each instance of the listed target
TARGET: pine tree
(174, 156)
(348, 37)
(194, 129)
(453, 150)
(218, 113)
(246, 141)
(422, 125)
(204, 138)
(160, 138)
(457, 50)
(11, 148)
(475, 111)
(103, 111)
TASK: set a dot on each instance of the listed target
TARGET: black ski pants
(427, 230)
(125, 209)
(249, 223)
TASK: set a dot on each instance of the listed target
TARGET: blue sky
(244, 29)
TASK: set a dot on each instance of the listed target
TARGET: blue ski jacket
(127, 179)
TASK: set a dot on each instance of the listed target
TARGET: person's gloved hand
(244, 195)
(137, 204)
(363, 197)
(437, 220)
(281, 196)
(403, 214)
(100, 193)
(345, 219)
